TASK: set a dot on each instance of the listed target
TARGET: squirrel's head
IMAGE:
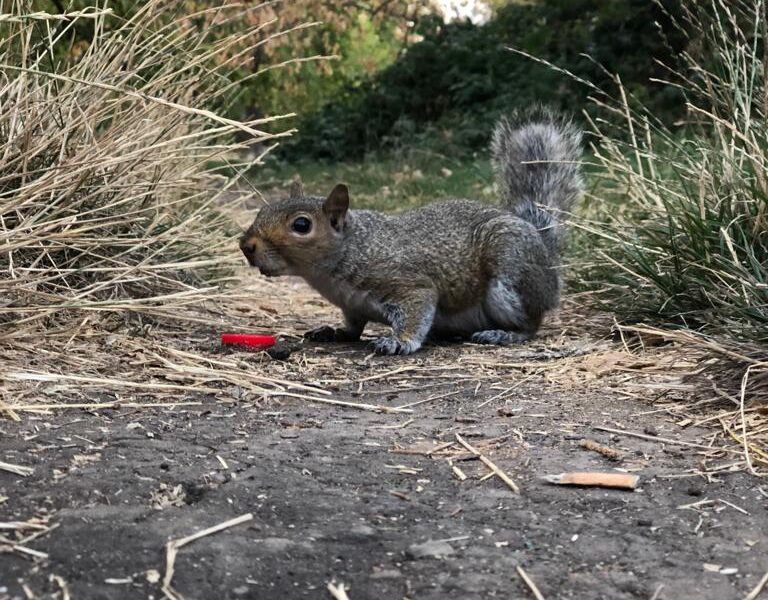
(291, 236)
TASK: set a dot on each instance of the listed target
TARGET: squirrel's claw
(390, 345)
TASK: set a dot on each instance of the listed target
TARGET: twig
(359, 405)
(758, 588)
(172, 548)
(338, 592)
(98, 405)
(30, 551)
(529, 582)
(656, 438)
(487, 462)
(16, 469)
(606, 451)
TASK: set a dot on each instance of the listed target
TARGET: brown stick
(610, 453)
(487, 462)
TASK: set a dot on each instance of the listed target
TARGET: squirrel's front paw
(391, 345)
(321, 334)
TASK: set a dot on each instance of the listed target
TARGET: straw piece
(16, 469)
(104, 381)
(361, 406)
(30, 552)
(487, 462)
(655, 438)
(99, 405)
(338, 592)
(758, 588)
(172, 548)
(529, 582)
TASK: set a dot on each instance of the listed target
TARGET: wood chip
(623, 481)
(606, 451)
(460, 475)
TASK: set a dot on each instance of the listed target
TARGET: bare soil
(371, 499)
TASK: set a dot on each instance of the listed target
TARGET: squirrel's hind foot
(330, 334)
(390, 345)
(499, 337)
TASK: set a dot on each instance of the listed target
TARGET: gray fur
(456, 268)
(536, 158)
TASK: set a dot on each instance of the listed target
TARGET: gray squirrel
(452, 269)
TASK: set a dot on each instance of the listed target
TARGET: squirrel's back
(536, 156)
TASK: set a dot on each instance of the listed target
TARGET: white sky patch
(476, 10)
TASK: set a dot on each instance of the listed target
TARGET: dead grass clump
(683, 235)
(111, 154)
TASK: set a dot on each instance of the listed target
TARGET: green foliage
(358, 50)
(389, 181)
(460, 76)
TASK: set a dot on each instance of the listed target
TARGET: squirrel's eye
(302, 225)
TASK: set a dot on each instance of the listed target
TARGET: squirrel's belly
(461, 323)
(359, 303)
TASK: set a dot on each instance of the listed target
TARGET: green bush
(460, 76)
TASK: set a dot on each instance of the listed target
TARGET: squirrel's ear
(297, 188)
(336, 206)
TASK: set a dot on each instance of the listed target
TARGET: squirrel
(452, 269)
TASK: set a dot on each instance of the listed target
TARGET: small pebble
(429, 550)
(280, 351)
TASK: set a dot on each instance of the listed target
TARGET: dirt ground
(374, 499)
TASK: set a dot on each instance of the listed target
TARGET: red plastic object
(259, 342)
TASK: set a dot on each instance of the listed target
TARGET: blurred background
(367, 76)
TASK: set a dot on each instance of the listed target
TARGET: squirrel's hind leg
(411, 318)
(513, 322)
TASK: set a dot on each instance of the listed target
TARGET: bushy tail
(536, 157)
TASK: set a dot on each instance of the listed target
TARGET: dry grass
(677, 238)
(574, 355)
(115, 164)
(109, 181)
(682, 225)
